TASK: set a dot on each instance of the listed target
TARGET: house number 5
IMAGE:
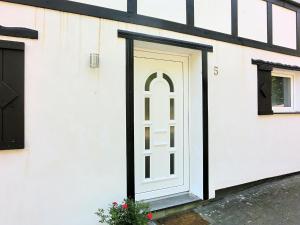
(216, 70)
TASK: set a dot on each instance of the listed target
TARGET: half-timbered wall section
(229, 20)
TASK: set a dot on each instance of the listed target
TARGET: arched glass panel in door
(162, 77)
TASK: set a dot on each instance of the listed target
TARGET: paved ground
(274, 203)
(186, 218)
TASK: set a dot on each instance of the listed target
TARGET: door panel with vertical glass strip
(160, 158)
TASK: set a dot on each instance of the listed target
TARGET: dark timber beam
(163, 40)
(234, 18)
(190, 11)
(298, 31)
(116, 15)
(288, 4)
(270, 23)
(275, 65)
(132, 6)
(19, 32)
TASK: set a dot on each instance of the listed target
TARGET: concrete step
(169, 205)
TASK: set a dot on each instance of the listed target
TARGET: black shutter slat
(12, 99)
(264, 88)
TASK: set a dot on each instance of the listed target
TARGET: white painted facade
(210, 17)
(163, 9)
(284, 19)
(249, 26)
(75, 117)
(112, 4)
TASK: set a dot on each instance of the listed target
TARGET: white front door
(161, 124)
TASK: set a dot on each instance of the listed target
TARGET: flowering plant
(127, 213)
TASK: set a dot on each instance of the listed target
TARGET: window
(11, 95)
(282, 92)
(278, 88)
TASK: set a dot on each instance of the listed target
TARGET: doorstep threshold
(172, 201)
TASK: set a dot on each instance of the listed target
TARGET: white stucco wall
(74, 161)
(213, 15)
(284, 27)
(245, 147)
(112, 4)
(252, 19)
(176, 11)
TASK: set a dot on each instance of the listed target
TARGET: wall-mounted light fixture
(94, 60)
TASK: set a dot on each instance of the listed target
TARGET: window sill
(286, 113)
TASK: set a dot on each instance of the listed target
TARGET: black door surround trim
(133, 18)
(130, 37)
(163, 40)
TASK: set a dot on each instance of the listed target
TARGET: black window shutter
(11, 99)
(264, 87)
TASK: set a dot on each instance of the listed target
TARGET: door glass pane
(172, 136)
(281, 91)
(147, 138)
(172, 105)
(172, 163)
(147, 167)
(149, 80)
(147, 108)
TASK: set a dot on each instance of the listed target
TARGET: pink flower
(115, 204)
(149, 216)
(125, 206)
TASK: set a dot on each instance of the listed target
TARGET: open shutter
(264, 87)
(11, 99)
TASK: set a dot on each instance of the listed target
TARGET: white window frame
(292, 77)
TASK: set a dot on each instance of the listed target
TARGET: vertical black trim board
(234, 18)
(270, 22)
(1, 78)
(205, 125)
(132, 6)
(190, 13)
(298, 30)
(130, 118)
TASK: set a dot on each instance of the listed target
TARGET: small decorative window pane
(172, 164)
(170, 82)
(149, 80)
(172, 112)
(147, 138)
(147, 167)
(172, 136)
(281, 91)
(147, 108)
